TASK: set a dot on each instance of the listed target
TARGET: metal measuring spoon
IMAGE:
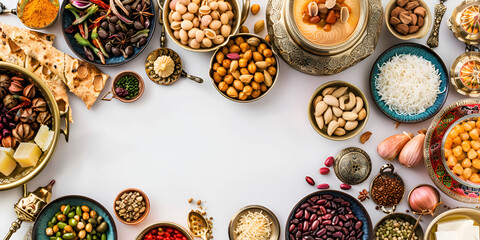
(198, 225)
(178, 72)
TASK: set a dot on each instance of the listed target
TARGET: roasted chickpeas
(462, 150)
(244, 68)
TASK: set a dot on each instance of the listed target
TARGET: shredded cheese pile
(253, 226)
(408, 84)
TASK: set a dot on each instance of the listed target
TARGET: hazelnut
(402, 3)
(405, 18)
(395, 21)
(413, 29)
(420, 11)
(396, 11)
(411, 5)
(402, 28)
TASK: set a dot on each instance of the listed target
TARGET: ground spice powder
(39, 13)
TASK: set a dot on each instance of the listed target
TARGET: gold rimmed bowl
(275, 225)
(464, 74)
(141, 87)
(452, 214)
(21, 175)
(404, 217)
(19, 11)
(471, 117)
(422, 32)
(226, 44)
(323, 131)
(240, 15)
(181, 229)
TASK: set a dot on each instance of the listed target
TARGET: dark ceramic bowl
(357, 208)
(67, 18)
(53, 207)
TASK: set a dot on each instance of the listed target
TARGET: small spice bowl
(402, 216)
(422, 32)
(387, 171)
(243, 83)
(452, 214)
(235, 221)
(323, 131)
(21, 7)
(142, 216)
(141, 87)
(147, 230)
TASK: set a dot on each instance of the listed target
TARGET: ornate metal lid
(352, 166)
(465, 74)
(465, 22)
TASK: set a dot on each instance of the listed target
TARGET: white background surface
(186, 140)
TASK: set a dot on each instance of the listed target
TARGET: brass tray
(307, 62)
(20, 175)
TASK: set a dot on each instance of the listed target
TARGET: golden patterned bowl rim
(453, 24)
(466, 212)
(183, 230)
(298, 37)
(455, 75)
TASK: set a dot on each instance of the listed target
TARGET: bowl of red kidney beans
(164, 231)
(328, 215)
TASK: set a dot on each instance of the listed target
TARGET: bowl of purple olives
(107, 34)
(329, 214)
(127, 87)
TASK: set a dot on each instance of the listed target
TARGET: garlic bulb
(412, 153)
(424, 198)
(389, 148)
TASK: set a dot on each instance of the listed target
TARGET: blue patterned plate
(421, 51)
(357, 208)
(67, 18)
(53, 207)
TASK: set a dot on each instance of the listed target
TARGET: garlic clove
(412, 153)
(389, 148)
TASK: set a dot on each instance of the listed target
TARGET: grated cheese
(253, 226)
(408, 84)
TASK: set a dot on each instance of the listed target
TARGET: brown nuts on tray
(201, 25)
(408, 17)
(245, 68)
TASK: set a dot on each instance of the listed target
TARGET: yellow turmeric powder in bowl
(39, 13)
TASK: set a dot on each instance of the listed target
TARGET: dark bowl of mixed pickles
(74, 217)
(107, 32)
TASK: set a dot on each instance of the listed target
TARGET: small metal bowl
(323, 132)
(469, 59)
(144, 214)
(422, 32)
(275, 234)
(246, 36)
(21, 6)
(403, 216)
(141, 87)
(452, 214)
(184, 231)
(444, 159)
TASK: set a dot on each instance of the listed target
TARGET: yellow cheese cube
(27, 154)
(8, 151)
(7, 165)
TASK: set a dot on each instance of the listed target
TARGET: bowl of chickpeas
(245, 68)
(461, 150)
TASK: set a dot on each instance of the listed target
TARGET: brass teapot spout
(29, 206)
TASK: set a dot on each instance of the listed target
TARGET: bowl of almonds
(203, 25)
(407, 19)
(338, 110)
(245, 68)
(131, 206)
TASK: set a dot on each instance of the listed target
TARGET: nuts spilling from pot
(201, 24)
(408, 17)
(245, 68)
(338, 110)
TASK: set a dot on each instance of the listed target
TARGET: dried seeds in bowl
(245, 68)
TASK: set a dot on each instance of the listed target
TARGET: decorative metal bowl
(422, 32)
(323, 132)
(462, 18)
(466, 67)
(184, 231)
(22, 175)
(275, 225)
(444, 159)
(240, 15)
(404, 217)
(452, 214)
(21, 6)
(300, 40)
(274, 78)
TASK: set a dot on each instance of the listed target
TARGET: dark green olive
(93, 221)
(102, 227)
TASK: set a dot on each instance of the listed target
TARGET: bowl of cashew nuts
(338, 110)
